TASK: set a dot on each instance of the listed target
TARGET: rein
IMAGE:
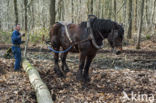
(64, 51)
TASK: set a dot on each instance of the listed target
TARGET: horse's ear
(122, 25)
(92, 17)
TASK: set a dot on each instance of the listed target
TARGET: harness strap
(67, 32)
(65, 24)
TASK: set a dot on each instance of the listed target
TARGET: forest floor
(133, 73)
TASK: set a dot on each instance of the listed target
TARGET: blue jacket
(16, 39)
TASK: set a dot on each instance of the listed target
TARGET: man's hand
(23, 34)
(22, 42)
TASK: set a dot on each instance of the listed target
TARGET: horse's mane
(104, 26)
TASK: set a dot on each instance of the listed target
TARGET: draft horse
(86, 39)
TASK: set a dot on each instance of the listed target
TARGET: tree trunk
(52, 12)
(33, 15)
(62, 11)
(153, 11)
(135, 15)
(26, 45)
(26, 19)
(80, 14)
(140, 25)
(114, 10)
(102, 8)
(42, 92)
(129, 33)
(16, 12)
(124, 13)
(72, 3)
(91, 6)
(0, 25)
(59, 9)
(1, 15)
(110, 9)
(146, 13)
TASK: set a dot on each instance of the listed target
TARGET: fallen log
(144, 60)
(42, 92)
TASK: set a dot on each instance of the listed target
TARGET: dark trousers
(17, 54)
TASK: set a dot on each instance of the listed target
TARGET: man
(16, 41)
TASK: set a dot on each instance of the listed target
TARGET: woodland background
(36, 16)
(132, 71)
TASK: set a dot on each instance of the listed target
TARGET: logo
(138, 97)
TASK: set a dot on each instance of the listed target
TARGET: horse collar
(92, 37)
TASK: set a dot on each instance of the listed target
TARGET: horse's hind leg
(56, 65)
(64, 64)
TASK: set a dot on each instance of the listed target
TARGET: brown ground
(133, 71)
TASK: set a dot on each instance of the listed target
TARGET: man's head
(18, 27)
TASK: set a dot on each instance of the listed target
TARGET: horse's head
(115, 39)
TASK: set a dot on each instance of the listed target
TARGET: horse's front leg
(86, 68)
(64, 64)
(56, 62)
(79, 75)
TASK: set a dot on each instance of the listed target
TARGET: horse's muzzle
(117, 50)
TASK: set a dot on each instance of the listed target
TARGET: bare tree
(124, 12)
(26, 18)
(129, 32)
(0, 25)
(62, 10)
(21, 11)
(33, 15)
(59, 10)
(52, 12)
(72, 3)
(135, 14)
(92, 2)
(140, 25)
(146, 13)
(110, 9)
(16, 12)
(153, 11)
(114, 10)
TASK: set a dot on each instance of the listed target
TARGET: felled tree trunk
(42, 92)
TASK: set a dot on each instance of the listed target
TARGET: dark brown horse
(63, 35)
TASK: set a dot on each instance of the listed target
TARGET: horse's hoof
(61, 75)
(87, 79)
(118, 52)
(59, 72)
(79, 77)
(66, 70)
